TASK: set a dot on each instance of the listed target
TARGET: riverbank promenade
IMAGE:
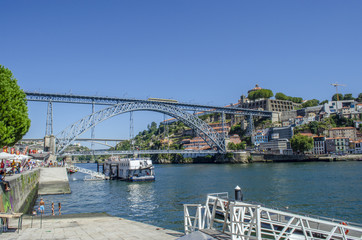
(88, 226)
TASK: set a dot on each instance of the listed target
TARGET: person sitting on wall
(2, 180)
(13, 166)
(2, 165)
(17, 167)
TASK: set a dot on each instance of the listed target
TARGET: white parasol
(4, 155)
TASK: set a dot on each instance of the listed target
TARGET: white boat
(131, 169)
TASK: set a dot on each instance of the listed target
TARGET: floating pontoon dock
(221, 218)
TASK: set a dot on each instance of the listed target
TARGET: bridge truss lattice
(207, 133)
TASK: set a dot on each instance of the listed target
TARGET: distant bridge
(139, 152)
(117, 106)
(77, 139)
(101, 141)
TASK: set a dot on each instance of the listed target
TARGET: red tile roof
(342, 128)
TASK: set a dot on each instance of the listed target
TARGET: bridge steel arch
(207, 133)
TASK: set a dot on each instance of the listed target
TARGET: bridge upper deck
(81, 99)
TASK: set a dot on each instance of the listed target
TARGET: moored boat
(71, 170)
(130, 169)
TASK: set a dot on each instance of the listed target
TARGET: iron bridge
(215, 140)
(139, 152)
(80, 99)
(180, 111)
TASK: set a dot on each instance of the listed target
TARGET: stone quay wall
(23, 192)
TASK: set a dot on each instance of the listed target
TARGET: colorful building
(319, 145)
(337, 145)
(343, 132)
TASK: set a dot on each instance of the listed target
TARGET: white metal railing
(250, 221)
(245, 221)
(196, 222)
(213, 215)
(93, 174)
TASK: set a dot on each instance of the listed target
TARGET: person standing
(60, 208)
(53, 208)
(2, 165)
(41, 206)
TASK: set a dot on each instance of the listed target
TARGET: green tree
(340, 97)
(281, 96)
(262, 93)
(323, 102)
(341, 121)
(241, 146)
(359, 99)
(313, 126)
(310, 103)
(296, 99)
(14, 120)
(231, 146)
(348, 96)
(301, 143)
(152, 128)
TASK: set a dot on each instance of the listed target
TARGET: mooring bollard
(238, 194)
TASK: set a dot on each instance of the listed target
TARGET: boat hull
(142, 179)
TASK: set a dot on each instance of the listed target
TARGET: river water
(330, 189)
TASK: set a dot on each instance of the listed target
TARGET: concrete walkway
(53, 181)
(88, 226)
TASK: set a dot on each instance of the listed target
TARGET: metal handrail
(251, 221)
(93, 174)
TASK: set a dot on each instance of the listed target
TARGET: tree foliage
(359, 99)
(282, 96)
(238, 146)
(319, 128)
(262, 93)
(341, 121)
(310, 103)
(348, 96)
(301, 143)
(14, 120)
(323, 102)
(340, 97)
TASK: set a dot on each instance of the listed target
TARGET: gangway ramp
(222, 218)
(93, 174)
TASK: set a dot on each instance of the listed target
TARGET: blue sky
(207, 52)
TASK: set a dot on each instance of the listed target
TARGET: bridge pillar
(68, 159)
(49, 144)
(250, 127)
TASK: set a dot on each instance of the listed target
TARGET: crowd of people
(10, 167)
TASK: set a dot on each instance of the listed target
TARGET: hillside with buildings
(334, 127)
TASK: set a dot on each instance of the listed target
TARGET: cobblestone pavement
(88, 226)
